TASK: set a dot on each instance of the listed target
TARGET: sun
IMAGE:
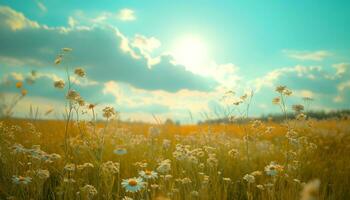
(191, 52)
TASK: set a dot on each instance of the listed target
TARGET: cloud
(104, 51)
(146, 46)
(308, 55)
(341, 68)
(131, 100)
(126, 14)
(10, 19)
(270, 79)
(41, 6)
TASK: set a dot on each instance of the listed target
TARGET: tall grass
(299, 158)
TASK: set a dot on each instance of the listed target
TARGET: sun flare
(191, 52)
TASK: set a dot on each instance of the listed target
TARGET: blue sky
(170, 58)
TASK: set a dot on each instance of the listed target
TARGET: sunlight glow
(190, 52)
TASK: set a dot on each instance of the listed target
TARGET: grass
(201, 165)
(90, 157)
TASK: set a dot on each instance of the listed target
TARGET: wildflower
(236, 103)
(256, 124)
(154, 186)
(54, 156)
(233, 153)
(269, 129)
(166, 144)
(69, 167)
(80, 72)
(133, 184)
(19, 84)
(58, 59)
(148, 174)
(186, 180)
(59, 84)
(298, 108)
(89, 191)
(110, 167)
(168, 177)
(153, 132)
(310, 190)
(42, 174)
(18, 148)
(226, 180)
(287, 92)
(212, 162)
(24, 92)
(66, 49)
(108, 112)
(281, 88)
(69, 180)
(120, 151)
(81, 101)
(260, 187)
(127, 198)
(164, 166)
(256, 173)
(73, 95)
(91, 106)
(297, 181)
(244, 97)
(85, 166)
(21, 180)
(301, 117)
(272, 169)
(276, 100)
(249, 178)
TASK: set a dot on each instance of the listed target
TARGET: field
(92, 154)
(298, 159)
(174, 100)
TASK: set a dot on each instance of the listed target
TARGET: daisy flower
(133, 184)
(120, 151)
(249, 178)
(273, 169)
(21, 180)
(148, 174)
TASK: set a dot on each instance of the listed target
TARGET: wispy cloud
(126, 14)
(9, 18)
(308, 55)
(41, 6)
(341, 68)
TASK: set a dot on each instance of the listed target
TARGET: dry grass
(201, 165)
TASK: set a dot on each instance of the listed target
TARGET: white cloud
(15, 20)
(72, 22)
(341, 68)
(41, 6)
(126, 14)
(147, 46)
(342, 86)
(310, 72)
(308, 55)
(179, 103)
(338, 99)
(305, 94)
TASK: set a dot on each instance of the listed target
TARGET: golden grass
(323, 156)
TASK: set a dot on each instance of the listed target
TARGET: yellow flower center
(132, 182)
(147, 172)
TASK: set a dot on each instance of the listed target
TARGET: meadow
(102, 157)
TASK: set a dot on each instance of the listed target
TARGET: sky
(176, 59)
